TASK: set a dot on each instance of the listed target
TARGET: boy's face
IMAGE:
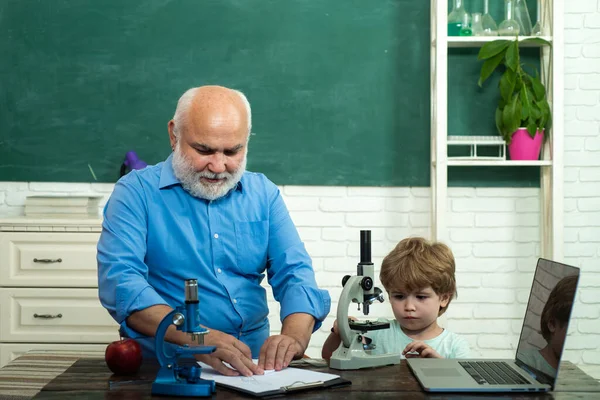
(418, 310)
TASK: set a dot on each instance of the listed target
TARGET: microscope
(355, 350)
(183, 379)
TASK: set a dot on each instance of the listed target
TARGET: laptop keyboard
(492, 373)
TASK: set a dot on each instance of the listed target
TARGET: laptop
(540, 348)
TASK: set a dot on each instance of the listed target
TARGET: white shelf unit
(478, 41)
(495, 163)
(551, 163)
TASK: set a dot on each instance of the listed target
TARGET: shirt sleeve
(460, 348)
(122, 274)
(289, 269)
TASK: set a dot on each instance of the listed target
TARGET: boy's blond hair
(416, 263)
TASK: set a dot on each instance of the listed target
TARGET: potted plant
(523, 113)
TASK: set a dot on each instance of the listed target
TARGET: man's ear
(172, 137)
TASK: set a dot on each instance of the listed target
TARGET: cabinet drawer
(48, 259)
(54, 315)
(10, 351)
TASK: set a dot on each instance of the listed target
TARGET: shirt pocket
(252, 241)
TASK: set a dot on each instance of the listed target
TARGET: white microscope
(355, 350)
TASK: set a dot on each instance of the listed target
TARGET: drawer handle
(47, 260)
(47, 316)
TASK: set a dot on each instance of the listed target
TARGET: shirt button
(234, 301)
(219, 270)
(216, 235)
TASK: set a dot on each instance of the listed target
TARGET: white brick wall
(493, 232)
(582, 176)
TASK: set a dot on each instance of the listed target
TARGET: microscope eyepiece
(365, 247)
(191, 290)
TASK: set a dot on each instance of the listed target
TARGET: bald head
(212, 108)
(209, 137)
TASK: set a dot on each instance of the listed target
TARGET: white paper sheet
(271, 380)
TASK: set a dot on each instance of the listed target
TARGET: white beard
(191, 179)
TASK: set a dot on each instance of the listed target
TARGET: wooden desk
(89, 378)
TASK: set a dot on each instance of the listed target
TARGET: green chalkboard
(339, 88)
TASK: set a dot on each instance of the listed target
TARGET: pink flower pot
(524, 147)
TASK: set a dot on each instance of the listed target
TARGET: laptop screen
(547, 319)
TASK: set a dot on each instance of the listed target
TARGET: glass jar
(465, 29)
(489, 25)
(508, 27)
(521, 15)
(456, 17)
(476, 24)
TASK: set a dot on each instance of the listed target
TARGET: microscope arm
(175, 317)
(351, 291)
(159, 338)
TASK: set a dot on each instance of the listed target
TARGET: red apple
(124, 356)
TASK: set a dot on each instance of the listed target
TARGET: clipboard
(290, 389)
(279, 383)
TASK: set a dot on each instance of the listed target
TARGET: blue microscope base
(204, 388)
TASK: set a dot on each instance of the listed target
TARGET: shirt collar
(167, 175)
(168, 178)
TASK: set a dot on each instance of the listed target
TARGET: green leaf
(501, 103)
(546, 114)
(499, 121)
(491, 49)
(538, 88)
(535, 111)
(511, 116)
(507, 114)
(507, 84)
(537, 40)
(515, 122)
(531, 127)
(526, 102)
(512, 55)
(488, 67)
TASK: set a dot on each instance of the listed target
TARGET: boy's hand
(335, 329)
(418, 349)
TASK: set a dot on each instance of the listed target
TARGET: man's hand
(229, 350)
(418, 349)
(278, 351)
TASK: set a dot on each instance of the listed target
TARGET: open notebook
(275, 382)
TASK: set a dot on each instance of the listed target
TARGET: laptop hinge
(537, 375)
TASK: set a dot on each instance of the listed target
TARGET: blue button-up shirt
(155, 235)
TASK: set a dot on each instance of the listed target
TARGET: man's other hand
(278, 351)
(231, 351)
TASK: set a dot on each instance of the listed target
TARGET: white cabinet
(551, 164)
(48, 259)
(48, 288)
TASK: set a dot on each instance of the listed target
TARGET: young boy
(419, 279)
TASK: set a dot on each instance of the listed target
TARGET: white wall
(493, 232)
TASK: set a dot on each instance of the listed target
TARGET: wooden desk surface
(89, 378)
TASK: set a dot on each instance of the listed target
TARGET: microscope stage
(365, 326)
